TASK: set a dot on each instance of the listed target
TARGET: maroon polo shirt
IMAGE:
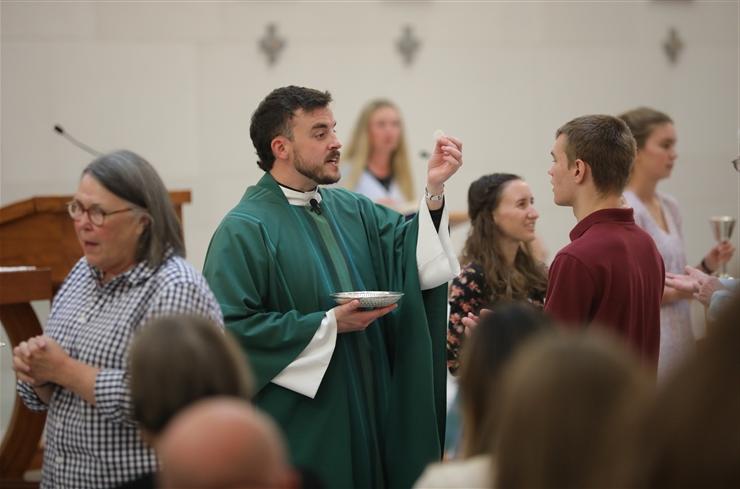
(610, 274)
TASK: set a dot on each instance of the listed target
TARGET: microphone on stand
(84, 147)
(315, 207)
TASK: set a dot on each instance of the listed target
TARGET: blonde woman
(379, 158)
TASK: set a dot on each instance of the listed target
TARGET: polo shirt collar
(625, 215)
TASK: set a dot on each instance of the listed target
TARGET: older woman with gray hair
(133, 270)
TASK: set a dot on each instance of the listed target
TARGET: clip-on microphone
(315, 207)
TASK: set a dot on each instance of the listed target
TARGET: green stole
(373, 469)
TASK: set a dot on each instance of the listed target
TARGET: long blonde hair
(358, 151)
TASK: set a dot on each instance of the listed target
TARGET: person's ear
(144, 221)
(579, 170)
(281, 147)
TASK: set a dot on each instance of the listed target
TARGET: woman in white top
(379, 156)
(659, 215)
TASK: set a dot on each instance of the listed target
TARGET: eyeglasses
(95, 214)
(736, 163)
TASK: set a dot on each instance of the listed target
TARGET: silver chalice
(722, 227)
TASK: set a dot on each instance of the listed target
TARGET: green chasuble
(378, 416)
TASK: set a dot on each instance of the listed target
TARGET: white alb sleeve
(435, 256)
(304, 374)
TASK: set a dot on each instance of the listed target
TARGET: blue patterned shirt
(99, 446)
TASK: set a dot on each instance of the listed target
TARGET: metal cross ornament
(271, 44)
(408, 45)
(673, 45)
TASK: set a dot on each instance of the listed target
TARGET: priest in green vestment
(359, 394)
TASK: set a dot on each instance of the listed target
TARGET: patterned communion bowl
(368, 298)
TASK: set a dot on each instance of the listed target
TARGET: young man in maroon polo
(611, 273)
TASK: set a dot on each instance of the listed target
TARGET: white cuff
(304, 374)
(435, 256)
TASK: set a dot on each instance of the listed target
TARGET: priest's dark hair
(273, 115)
(133, 179)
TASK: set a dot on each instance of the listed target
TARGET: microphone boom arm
(84, 147)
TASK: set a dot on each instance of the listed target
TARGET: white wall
(177, 82)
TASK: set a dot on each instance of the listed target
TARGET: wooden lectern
(18, 287)
(36, 236)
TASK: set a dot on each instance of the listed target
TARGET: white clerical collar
(296, 197)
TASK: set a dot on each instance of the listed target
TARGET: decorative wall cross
(271, 44)
(408, 45)
(673, 45)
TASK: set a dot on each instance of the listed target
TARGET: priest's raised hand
(444, 162)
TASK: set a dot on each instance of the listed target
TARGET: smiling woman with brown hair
(497, 261)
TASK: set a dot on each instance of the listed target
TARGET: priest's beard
(321, 173)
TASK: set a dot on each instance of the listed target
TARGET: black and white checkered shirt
(98, 447)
